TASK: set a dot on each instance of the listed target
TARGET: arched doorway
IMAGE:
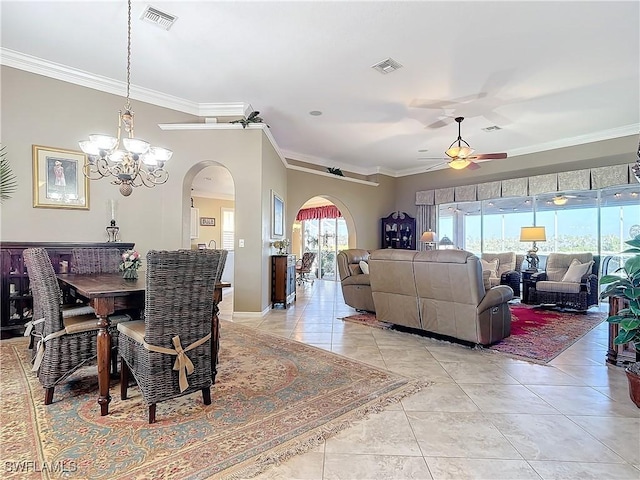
(320, 228)
(213, 198)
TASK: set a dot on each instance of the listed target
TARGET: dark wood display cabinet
(398, 231)
(283, 280)
(17, 303)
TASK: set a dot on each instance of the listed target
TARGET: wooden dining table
(108, 293)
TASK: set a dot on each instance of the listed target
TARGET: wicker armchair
(179, 310)
(64, 343)
(303, 269)
(548, 287)
(508, 271)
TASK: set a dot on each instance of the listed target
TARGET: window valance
(589, 179)
(326, 211)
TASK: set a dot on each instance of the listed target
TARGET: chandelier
(138, 163)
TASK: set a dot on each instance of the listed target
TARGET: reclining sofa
(356, 288)
(439, 291)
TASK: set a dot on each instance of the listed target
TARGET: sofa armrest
(358, 279)
(495, 296)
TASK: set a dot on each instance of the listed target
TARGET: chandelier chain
(128, 105)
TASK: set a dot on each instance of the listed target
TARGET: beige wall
(210, 207)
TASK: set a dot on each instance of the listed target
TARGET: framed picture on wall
(207, 221)
(58, 178)
(277, 215)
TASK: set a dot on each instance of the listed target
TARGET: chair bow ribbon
(40, 346)
(29, 326)
(183, 363)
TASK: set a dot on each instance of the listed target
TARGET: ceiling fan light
(465, 152)
(459, 163)
(453, 151)
(561, 200)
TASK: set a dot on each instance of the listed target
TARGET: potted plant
(626, 285)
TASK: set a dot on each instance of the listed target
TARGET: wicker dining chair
(176, 330)
(62, 343)
(95, 260)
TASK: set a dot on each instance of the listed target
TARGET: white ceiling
(550, 74)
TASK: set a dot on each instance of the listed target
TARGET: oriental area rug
(540, 335)
(273, 398)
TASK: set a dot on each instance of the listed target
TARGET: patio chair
(169, 353)
(570, 280)
(303, 268)
(64, 342)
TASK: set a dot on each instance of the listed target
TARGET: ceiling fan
(561, 199)
(461, 155)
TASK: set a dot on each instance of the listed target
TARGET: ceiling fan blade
(489, 156)
(438, 124)
(473, 166)
(433, 167)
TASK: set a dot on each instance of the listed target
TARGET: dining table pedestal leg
(103, 307)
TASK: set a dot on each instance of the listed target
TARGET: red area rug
(368, 319)
(540, 335)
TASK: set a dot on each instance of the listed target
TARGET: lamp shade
(428, 237)
(446, 241)
(532, 234)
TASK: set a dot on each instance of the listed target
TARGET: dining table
(108, 293)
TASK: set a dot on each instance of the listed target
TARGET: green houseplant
(626, 285)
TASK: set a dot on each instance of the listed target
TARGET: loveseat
(356, 288)
(570, 280)
(439, 291)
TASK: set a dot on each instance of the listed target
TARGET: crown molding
(327, 174)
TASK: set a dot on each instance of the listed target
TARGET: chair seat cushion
(76, 311)
(362, 279)
(558, 287)
(80, 323)
(134, 330)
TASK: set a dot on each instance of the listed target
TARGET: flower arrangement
(281, 245)
(131, 261)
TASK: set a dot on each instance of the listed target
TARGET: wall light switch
(241, 243)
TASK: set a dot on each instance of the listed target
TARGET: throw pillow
(492, 266)
(576, 271)
(364, 266)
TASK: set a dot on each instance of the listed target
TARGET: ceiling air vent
(155, 16)
(386, 66)
(492, 128)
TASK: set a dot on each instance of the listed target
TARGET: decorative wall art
(58, 178)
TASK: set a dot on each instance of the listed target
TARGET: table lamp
(429, 239)
(533, 234)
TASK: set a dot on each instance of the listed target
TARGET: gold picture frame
(277, 215)
(58, 178)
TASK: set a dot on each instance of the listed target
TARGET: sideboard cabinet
(398, 231)
(283, 279)
(17, 303)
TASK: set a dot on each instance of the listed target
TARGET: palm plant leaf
(8, 182)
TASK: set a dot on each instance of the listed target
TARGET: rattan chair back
(95, 260)
(45, 289)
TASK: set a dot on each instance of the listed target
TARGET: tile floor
(486, 416)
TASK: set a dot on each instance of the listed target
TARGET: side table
(527, 283)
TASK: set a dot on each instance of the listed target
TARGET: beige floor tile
(622, 435)
(552, 437)
(459, 435)
(507, 399)
(596, 375)
(480, 469)
(585, 471)
(380, 467)
(577, 400)
(532, 374)
(385, 433)
(440, 397)
(478, 372)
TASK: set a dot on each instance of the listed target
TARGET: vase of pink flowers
(131, 261)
